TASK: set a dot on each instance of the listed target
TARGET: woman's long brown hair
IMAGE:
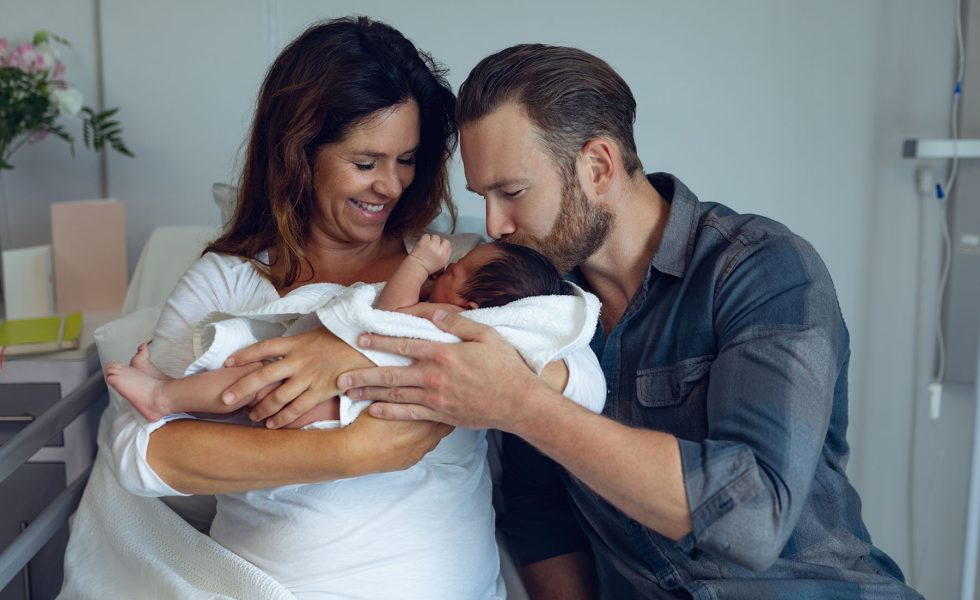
(332, 77)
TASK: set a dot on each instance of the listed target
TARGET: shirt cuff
(718, 478)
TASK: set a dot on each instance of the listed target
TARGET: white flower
(68, 99)
(49, 57)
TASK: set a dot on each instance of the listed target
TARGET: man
(717, 467)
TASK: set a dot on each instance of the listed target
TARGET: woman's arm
(201, 457)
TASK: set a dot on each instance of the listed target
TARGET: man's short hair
(569, 95)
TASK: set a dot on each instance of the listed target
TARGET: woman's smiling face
(359, 179)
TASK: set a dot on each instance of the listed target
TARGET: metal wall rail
(21, 447)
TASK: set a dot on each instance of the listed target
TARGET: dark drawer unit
(21, 403)
(23, 495)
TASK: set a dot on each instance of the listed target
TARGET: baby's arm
(430, 254)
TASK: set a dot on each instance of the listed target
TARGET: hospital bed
(165, 256)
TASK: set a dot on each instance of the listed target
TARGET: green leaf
(43, 36)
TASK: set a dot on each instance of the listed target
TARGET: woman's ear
(602, 160)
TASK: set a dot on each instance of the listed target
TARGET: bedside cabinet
(29, 385)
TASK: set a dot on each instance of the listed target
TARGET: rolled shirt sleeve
(769, 402)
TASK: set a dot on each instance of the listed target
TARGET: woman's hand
(308, 368)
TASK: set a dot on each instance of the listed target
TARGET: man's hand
(308, 369)
(480, 383)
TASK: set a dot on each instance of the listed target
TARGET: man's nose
(498, 223)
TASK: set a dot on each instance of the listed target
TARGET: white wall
(793, 110)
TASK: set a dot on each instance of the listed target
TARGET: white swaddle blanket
(542, 328)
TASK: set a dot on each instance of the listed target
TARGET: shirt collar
(677, 244)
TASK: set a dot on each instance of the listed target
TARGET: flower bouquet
(33, 94)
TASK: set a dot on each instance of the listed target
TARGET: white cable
(950, 182)
(946, 259)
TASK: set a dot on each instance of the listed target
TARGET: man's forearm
(639, 471)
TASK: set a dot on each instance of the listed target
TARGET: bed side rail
(25, 444)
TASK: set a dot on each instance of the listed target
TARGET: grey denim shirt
(735, 344)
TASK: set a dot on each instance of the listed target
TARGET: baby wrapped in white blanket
(542, 328)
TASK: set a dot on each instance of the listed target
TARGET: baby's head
(496, 274)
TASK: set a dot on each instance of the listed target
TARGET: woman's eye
(407, 161)
(365, 166)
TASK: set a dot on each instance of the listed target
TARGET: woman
(346, 159)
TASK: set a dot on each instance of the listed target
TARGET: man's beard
(578, 232)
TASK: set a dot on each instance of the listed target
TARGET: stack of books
(40, 334)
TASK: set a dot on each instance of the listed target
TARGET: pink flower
(22, 56)
(38, 63)
(59, 69)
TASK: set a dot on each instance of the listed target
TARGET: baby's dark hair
(517, 272)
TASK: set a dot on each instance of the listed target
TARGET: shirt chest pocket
(674, 385)
(674, 398)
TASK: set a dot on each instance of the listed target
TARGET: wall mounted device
(913, 148)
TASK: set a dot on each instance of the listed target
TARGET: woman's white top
(425, 532)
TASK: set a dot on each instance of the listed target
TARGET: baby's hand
(433, 252)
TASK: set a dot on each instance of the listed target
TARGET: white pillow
(225, 196)
(118, 340)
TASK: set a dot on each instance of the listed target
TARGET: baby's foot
(143, 391)
(141, 361)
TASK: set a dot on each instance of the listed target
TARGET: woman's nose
(389, 184)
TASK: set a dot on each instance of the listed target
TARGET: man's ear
(601, 156)
(473, 305)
